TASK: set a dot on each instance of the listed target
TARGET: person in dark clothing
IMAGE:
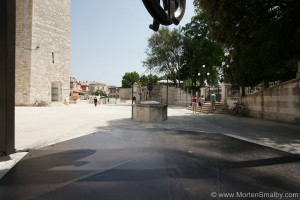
(95, 101)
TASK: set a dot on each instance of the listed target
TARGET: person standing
(213, 99)
(95, 101)
(133, 99)
(201, 101)
(194, 104)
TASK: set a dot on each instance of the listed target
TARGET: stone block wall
(176, 96)
(125, 93)
(278, 103)
(23, 50)
(160, 93)
(43, 67)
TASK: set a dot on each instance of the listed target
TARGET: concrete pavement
(41, 126)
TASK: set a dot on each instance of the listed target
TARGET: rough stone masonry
(42, 51)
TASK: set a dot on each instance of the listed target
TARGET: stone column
(225, 87)
(203, 91)
(137, 93)
(7, 75)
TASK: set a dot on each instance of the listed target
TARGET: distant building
(113, 91)
(98, 87)
(42, 51)
(78, 90)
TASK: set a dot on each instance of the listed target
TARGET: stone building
(42, 51)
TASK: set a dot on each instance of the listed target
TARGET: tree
(129, 79)
(263, 37)
(145, 80)
(200, 50)
(164, 52)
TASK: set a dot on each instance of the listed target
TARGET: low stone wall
(279, 103)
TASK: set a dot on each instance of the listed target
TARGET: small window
(53, 57)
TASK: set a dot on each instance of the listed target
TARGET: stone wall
(43, 65)
(279, 103)
(125, 93)
(159, 93)
(176, 96)
(23, 50)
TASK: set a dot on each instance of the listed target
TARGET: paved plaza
(54, 134)
(41, 126)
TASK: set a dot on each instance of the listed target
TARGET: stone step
(206, 108)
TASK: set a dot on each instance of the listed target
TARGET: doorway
(56, 92)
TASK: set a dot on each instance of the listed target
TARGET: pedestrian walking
(213, 99)
(95, 101)
(194, 104)
(201, 101)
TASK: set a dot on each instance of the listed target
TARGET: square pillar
(137, 93)
(225, 87)
(7, 75)
(203, 92)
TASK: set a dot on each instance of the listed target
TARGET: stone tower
(42, 51)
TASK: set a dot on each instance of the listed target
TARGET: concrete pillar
(203, 91)
(225, 87)
(298, 74)
(137, 92)
(7, 75)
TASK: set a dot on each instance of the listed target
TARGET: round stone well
(150, 111)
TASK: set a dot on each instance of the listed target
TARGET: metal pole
(7, 75)
(167, 91)
(132, 101)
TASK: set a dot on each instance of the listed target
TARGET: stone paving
(42, 126)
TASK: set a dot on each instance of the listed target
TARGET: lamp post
(225, 66)
(132, 100)
(225, 86)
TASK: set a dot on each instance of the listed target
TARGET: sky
(109, 38)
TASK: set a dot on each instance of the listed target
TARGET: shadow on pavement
(182, 158)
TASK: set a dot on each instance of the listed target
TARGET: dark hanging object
(171, 12)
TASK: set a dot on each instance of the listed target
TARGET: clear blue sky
(109, 38)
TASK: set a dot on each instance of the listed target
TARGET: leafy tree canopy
(129, 79)
(146, 79)
(164, 52)
(200, 50)
(263, 36)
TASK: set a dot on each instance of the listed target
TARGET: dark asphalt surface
(151, 164)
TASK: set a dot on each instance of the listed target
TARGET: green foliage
(164, 52)
(129, 79)
(180, 53)
(145, 80)
(263, 37)
(102, 93)
(199, 50)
